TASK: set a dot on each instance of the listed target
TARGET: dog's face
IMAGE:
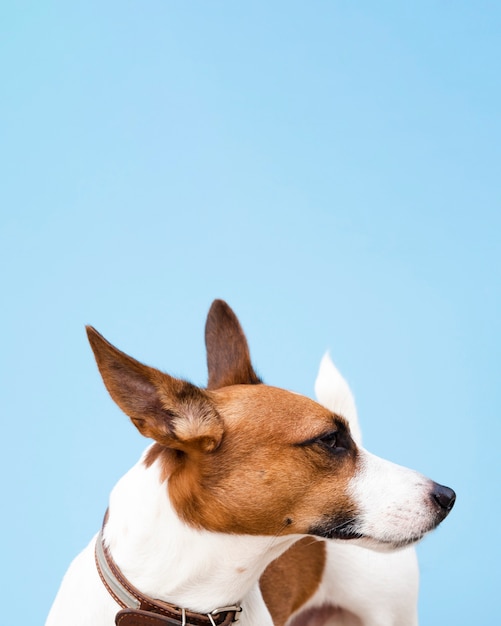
(242, 457)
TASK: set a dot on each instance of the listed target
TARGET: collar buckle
(236, 608)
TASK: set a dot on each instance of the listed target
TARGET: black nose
(444, 497)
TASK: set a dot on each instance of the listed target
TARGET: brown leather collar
(140, 610)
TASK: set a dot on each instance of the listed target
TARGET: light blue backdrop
(329, 168)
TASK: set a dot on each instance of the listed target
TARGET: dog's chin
(384, 545)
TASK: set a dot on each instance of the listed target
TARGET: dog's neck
(168, 560)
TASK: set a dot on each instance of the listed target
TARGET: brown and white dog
(238, 473)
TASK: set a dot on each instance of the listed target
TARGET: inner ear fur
(228, 357)
(171, 411)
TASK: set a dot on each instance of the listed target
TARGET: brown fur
(326, 616)
(290, 581)
(228, 357)
(259, 480)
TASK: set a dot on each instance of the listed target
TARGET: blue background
(329, 168)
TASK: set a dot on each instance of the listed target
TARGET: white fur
(395, 505)
(166, 559)
(334, 393)
(380, 588)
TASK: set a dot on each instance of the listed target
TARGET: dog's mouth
(344, 530)
(347, 531)
(350, 531)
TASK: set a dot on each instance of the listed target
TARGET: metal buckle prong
(211, 620)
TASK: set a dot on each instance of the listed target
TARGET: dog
(237, 475)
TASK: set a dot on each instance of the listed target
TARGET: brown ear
(228, 357)
(173, 412)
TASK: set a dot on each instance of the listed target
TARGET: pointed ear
(228, 358)
(173, 412)
(334, 393)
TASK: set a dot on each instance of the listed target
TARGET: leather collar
(141, 610)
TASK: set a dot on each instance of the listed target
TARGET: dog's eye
(330, 441)
(333, 441)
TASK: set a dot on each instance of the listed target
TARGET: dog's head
(243, 457)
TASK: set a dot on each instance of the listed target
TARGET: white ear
(333, 392)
